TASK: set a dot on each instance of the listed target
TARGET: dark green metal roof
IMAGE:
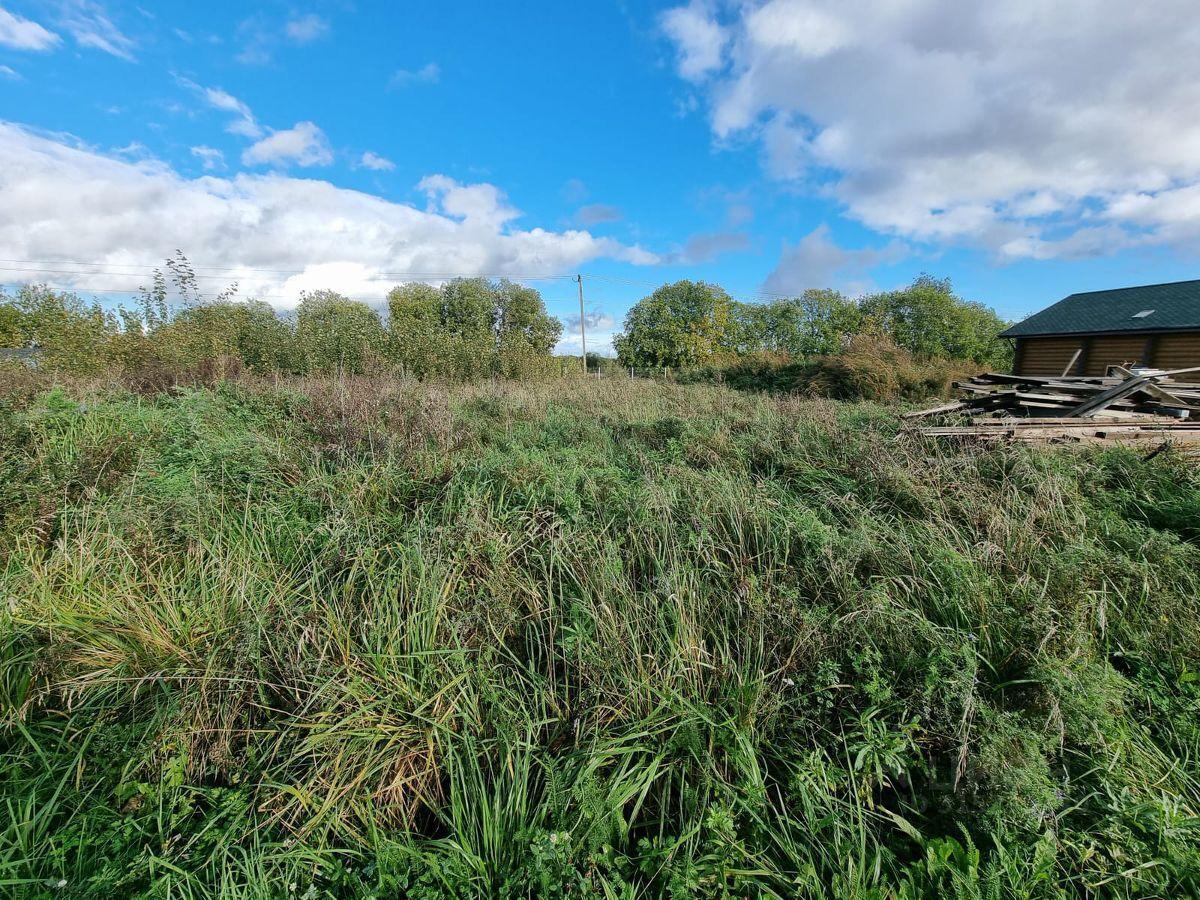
(1173, 306)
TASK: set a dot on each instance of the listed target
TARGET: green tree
(680, 324)
(521, 318)
(74, 336)
(930, 321)
(12, 324)
(471, 328)
(820, 322)
(417, 340)
(337, 334)
(249, 331)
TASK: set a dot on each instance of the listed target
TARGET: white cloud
(306, 28)
(600, 328)
(698, 37)
(476, 204)
(134, 149)
(66, 201)
(243, 122)
(815, 261)
(9, 72)
(210, 157)
(304, 144)
(25, 34)
(89, 24)
(430, 73)
(1011, 125)
(372, 160)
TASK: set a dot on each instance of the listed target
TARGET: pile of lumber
(1127, 405)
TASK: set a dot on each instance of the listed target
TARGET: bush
(871, 368)
(874, 368)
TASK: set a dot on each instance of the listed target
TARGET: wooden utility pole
(582, 330)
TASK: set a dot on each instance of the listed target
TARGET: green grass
(579, 639)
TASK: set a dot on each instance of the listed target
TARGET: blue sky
(1025, 153)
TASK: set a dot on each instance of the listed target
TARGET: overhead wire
(98, 271)
(84, 269)
(32, 265)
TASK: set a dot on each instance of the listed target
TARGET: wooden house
(1156, 325)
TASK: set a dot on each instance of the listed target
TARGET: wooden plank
(1101, 400)
(1062, 422)
(1170, 372)
(1151, 388)
(1074, 359)
(935, 410)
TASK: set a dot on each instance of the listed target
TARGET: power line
(106, 270)
(30, 265)
(370, 298)
(36, 266)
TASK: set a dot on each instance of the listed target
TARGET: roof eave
(1010, 333)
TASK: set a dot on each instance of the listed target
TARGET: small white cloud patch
(699, 39)
(375, 162)
(88, 23)
(210, 157)
(430, 73)
(306, 28)
(19, 33)
(304, 144)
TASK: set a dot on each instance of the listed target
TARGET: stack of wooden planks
(1130, 406)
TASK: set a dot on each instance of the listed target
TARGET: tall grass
(583, 639)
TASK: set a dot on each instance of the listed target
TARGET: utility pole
(582, 330)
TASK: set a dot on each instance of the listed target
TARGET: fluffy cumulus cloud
(699, 39)
(304, 144)
(275, 235)
(1033, 128)
(19, 33)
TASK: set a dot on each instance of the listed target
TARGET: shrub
(874, 368)
(871, 368)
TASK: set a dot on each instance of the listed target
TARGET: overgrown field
(615, 639)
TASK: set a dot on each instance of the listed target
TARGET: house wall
(1044, 356)
(1050, 355)
(1178, 351)
(1114, 350)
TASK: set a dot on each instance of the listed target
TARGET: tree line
(466, 328)
(474, 327)
(689, 324)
